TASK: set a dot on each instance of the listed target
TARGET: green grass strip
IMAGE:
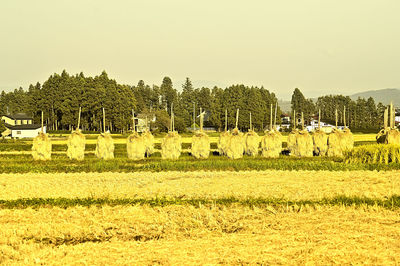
(392, 202)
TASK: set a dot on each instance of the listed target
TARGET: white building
(20, 126)
(324, 126)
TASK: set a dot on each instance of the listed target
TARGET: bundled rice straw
(200, 142)
(300, 142)
(148, 139)
(135, 147)
(320, 139)
(236, 145)
(224, 137)
(135, 144)
(340, 141)
(171, 145)
(389, 134)
(271, 144)
(76, 143)
(252, 141)
(41, 147)
(105, 144)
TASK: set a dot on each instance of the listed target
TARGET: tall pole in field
(344, 117)
(391, 115)
(104, 120)
(385, 118)
(79, 117)
(172, 117)
(194, 117)
(319, 118)
(336, 117)
(270, 119)
(226, 120)
(42, 121)
(201, 120)
(237, 117)
(302, 121)
(133, 121)
(276, 111)
(294, 119)
(250, 121)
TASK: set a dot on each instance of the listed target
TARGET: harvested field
(292, 185)
(208, 234)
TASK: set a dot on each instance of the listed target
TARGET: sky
(319, 46)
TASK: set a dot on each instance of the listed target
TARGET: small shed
(26, 131)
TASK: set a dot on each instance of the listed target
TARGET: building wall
(26, 133)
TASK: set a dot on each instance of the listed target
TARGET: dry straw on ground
(171, 146)
(388, 136)
(105, 146)
(136, 147)
(41, 147)
(252, 143)
(236, 145)
(76, 145)
(271, 144)
(320, 140)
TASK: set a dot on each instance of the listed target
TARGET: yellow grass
(292, 185)
(181, 235)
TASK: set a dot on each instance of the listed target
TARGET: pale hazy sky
(319, 46)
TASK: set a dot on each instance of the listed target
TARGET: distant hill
(384, 96)
(285, 106)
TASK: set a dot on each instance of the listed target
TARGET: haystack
(76, 145)
(236, 145)
(171, 146)
(200, 142)
(336, 143)
(389, 134)
(223, 142)
(320, 141)
(252, 143)
(224, 137)
(105, 146)
(300, 143)
(148, 139)
(41, 148)
(200, 145)
(271, 144)
(136, 147)
(348, 140)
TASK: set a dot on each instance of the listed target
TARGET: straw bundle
(41, 148)
(388, 136)
(236, 145)
(348, 140)
(171, 146)
(148, 139)
(76, 145)
(320, 140)
(105, 146)
(223, 142)
(271, 144)
(252, 143)
(335, 143)
(300, 143)
(200, 145)
(135, 147)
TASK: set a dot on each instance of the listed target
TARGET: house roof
(26, 127)
(19, 116)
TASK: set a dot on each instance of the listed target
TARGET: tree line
(361, 114)
(61, 95)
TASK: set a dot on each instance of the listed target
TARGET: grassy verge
(60, 163)
(390, 203)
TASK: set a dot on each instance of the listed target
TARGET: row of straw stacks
(389, 134)
(271, 142)
(300, 142)
(340, 141)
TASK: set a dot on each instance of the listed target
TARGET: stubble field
(249, 211)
